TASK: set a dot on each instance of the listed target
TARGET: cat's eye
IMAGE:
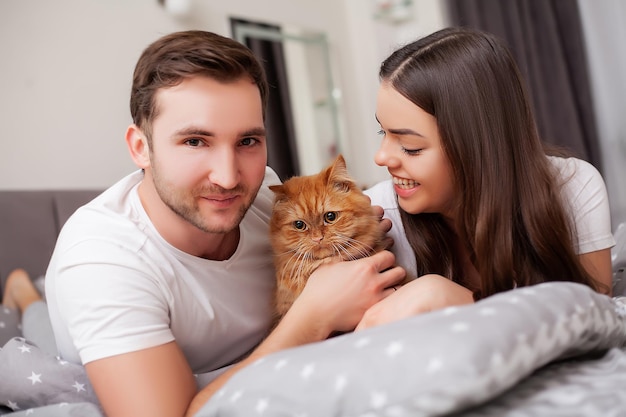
(330, 216)
(299, 224)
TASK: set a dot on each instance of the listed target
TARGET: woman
(477, 205)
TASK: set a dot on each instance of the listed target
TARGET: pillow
(62, 410)
(9, 324)
(31, 378)
(431, 364)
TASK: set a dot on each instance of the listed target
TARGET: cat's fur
(304, 235)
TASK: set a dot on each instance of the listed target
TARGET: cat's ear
(279, 192)
(277, 189)
(338, 175)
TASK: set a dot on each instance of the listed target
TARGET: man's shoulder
(264, 200)
(109, 217)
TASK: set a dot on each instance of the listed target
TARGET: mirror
(300, 73)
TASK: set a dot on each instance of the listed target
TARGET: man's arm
(335, 298)
(150, 382)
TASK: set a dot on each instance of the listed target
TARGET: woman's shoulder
(575, 170)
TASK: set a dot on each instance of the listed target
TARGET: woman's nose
(384, 156)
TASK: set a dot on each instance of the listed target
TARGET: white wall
(66, 68)
(605, 27)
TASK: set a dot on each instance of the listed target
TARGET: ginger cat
(316, 219)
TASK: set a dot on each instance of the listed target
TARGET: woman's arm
(426, 293)
(598, 265)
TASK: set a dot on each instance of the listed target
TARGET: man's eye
(193, 142)
(248, 141)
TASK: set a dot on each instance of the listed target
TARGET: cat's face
(323, 215)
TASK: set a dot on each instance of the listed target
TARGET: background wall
(66, 68)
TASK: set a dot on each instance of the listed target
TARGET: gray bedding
(556, 349)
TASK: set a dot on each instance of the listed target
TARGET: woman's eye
(330, 216)
(412, 151)
(299, 224)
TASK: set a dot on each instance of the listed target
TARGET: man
(169, 273)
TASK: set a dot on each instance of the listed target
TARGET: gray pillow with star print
(29, 378)
(435, 364)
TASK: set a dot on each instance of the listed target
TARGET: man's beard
(185, 204)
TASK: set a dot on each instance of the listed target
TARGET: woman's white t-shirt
(583, 191)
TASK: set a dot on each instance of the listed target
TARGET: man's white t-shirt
(583, 192)
(114, 285)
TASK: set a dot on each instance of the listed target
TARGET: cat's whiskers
(360, 248)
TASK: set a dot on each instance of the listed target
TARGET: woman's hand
(426, 293)
(384, 225)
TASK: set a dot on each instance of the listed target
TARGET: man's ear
(138, 146)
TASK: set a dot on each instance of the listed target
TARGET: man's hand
(337, 295)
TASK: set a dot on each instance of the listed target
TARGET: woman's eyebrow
(403, 131)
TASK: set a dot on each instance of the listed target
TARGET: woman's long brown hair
(509, 211)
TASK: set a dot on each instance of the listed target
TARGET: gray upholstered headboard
(30, 222)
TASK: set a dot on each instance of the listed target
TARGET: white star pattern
(448, 311)
(378, 399)
(236, 395)
(34, 378)
(459, 327)
(280, 364)
(514, 300)
(258, 362)
(487, 311)
(362, 342)
(63, 404)
(30, 411)
(2, 325)
(262, 405)
(394, 348)
(78, 386)
(6, 310)
(340, 383)
(61, 361)
(13, 405)
(434, 364)
(497, 360)
(307, 371)
(24, 348)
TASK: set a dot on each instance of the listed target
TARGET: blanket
(548, 350)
